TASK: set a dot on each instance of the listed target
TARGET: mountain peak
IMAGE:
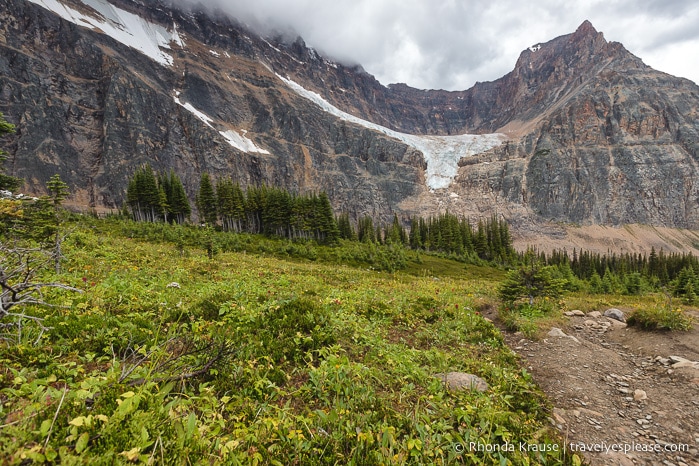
(586, 28)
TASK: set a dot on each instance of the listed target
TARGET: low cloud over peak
(450, 45)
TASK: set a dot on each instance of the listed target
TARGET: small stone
(558, 416)
(639, 395)
(173, 285)
(590, 412)
(456, 381)
(556, 332)
(690, 364)
(576, 312)
(594, 314)
(615, 314)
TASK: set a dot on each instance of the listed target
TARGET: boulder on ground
(457, 381)
(615, 314)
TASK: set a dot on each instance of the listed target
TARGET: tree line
(274, 211)
(487, 239)
(265, 210)
(629, 273)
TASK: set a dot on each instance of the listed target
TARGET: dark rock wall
(596, 135)
(93, 110)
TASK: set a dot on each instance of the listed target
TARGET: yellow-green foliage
(661, 318)
(247, 359)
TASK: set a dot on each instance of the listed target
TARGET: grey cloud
(451, 44)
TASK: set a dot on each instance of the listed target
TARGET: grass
(253, 358)
(661, 318)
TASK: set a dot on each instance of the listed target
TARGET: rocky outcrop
(93, 110)
(595, 136)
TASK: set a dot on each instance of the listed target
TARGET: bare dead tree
(174, 360)
(20, 269)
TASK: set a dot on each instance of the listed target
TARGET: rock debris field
(621, 396)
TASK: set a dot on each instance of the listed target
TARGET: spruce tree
(58, 191)
(238, 208)
(345, 226)
(9, 183)
(180, 210)
(144, 197)
(365, 230)
(226, 203)
(206, 201)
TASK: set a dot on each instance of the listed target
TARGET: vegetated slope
(168, 355)
(594, 135)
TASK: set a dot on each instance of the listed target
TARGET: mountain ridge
(594, 136)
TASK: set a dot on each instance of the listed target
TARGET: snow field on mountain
(233, 138)
(442, 153)
(124, 27)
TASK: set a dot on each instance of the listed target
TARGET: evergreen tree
(177, 200)
(226, 203)
(530, 282)
(345, 227)
(414, 238)
(365, 230)
(9, 183)
(396, 232)
(329, 233)
(238, 208)
(633, 283)
(206, 201)
(144, 197)
(58, 191)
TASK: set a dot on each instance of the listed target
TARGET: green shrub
(661, 318)
(287, 331)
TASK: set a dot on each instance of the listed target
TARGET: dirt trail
(615, 388)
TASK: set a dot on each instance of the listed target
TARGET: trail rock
(557, 332)
(615, 314)
(639, 395)
(594, 314)
(457, 381)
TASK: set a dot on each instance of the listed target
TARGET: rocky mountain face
(591, 134)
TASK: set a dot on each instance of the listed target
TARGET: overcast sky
(451, 44)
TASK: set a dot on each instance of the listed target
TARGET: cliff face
(594, 135)
(603, 139)
(92, 110)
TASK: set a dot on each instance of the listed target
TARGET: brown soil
(593, 382)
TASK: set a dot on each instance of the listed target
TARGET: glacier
(442, 153)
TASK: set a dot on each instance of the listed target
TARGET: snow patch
(124, 27)
(442, 153)
(214, 53)
(535, 48)
(240, 142)
(233, 138)
(201, 115)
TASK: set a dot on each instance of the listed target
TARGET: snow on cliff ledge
(442, 153)
(122, 26)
